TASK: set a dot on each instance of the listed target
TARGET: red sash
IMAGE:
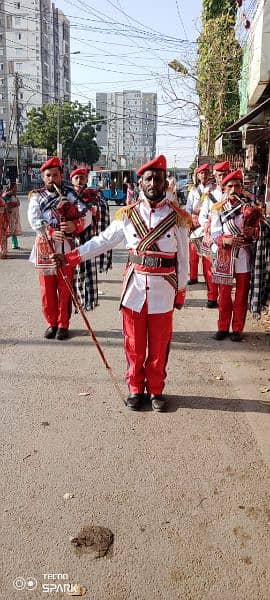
(148, 245)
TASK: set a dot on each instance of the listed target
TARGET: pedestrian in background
(130, 193)
(3, 226)
(14, 224)
(171, 186)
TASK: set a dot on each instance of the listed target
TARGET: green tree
(218, 71)
(217, 8)
(77, 130)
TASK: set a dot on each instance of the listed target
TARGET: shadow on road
(20, 255)
(204, 340)
(196, 302)
(198, 341)
(222, 404)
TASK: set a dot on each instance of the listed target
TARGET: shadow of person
(235, 405)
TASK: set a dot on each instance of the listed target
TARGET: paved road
(186, 493)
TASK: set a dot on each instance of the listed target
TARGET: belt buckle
(152, 261)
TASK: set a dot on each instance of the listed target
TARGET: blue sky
(127, 45)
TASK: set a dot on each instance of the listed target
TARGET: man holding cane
(155, 233)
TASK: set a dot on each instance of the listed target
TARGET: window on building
(21, 96)
(1, 67)
(18, 20)
(18, 36)
(9, 22)
(17, 5)
(19, 51)
(1, 51)
(18, 67)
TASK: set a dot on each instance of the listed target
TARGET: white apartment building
(34, 43)
(128, 136)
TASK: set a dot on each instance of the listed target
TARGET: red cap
(79, 171)
(238, 174)
(202, 168)
(222, 166)
(52, 162)
(157, 163)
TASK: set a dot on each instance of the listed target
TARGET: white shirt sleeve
(106, 240)
(204, 212)
(190, 200)
(34, 214)
(216, 225)
(182, 256)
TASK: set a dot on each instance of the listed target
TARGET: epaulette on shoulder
(35, 191)
(218, 205)
(124, 211)
(183, 218)
(204, 196)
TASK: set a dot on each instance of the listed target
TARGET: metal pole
(17, 86)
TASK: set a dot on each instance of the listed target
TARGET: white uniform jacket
(207, 204)
(243, 262)
(142, 287)
(37, 217)
(194, 202)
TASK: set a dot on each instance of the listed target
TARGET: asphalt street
(185, 493)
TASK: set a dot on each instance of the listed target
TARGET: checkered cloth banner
(259, 296)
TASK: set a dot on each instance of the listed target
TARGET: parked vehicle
(112, 184)
(182, 190)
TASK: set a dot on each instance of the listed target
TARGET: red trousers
(212, 288)
(56, 298)
(236, 310)
(142, 330)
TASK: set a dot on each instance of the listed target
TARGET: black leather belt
(152, 261)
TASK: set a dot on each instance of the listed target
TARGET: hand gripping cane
(86, 321)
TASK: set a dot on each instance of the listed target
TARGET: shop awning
(249, 116)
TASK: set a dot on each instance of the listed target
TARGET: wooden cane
(85, 319)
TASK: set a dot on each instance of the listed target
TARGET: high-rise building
(128, 136)
(34, 51)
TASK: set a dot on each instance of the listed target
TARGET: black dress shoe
(62, 334)
(211, 304)
(50, 333)
(133, 401)
(192, 281)
(221, 335)
(236, 336)
(158, 402)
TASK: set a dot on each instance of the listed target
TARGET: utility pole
(17, 87)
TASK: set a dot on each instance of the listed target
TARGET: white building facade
(128, 136)
(34, 51)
